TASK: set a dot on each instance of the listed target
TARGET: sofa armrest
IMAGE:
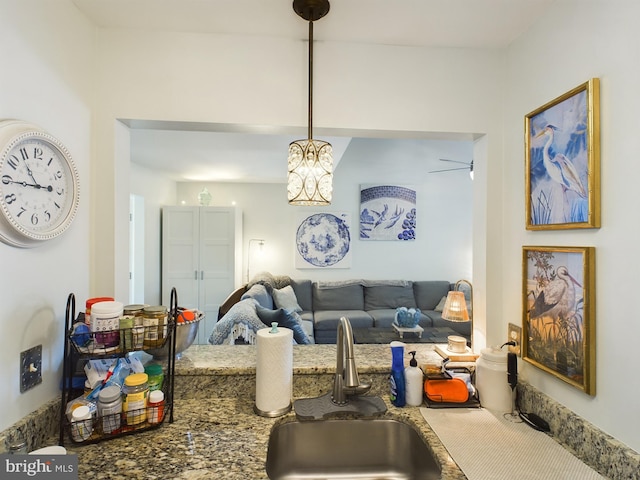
(231, 300)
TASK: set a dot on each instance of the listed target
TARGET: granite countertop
(216, 434)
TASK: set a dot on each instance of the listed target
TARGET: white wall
(157, 191)
(47, 56)
(441, 251)
(212, 78)
(563, 50)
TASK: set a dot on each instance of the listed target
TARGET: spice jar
(155, 326)
(156, 406)
(126, 333)
(136, 312)
(156, 376)
(81, 423)
(110, 408)
(135, 391)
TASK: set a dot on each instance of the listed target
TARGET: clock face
(38, 189)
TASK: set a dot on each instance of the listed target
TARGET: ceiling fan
(467, 166)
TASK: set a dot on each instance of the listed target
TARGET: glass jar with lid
(135, 392)
(155, 326)
(135, 316)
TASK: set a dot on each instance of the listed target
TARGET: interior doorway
(136, 249)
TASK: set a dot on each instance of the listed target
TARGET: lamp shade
(455, 307)
(310, 173)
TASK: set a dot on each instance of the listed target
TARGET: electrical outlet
(515, 335)
(30, 368)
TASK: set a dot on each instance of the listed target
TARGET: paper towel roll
(274, 372)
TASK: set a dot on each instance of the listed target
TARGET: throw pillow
(286, 298)
(440, 306)
(285, 318)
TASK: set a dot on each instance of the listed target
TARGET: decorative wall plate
(323, 240)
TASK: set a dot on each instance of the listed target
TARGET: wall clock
(39, 187)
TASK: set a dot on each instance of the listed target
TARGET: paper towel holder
(273, 413)
(280, 411)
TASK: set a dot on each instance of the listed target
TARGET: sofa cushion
(329, 319)
(307, 325)
(348, 297)
(302, 289)
(429, 292)
(388, 296)
(260, 294)
(286, 298)
(284, 318)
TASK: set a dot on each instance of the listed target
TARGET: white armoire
(202, 258)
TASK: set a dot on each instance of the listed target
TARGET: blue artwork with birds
(387, 212)
(559, 163)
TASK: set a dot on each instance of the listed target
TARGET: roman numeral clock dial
(39, 193)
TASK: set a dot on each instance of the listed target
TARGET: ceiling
(259, 157)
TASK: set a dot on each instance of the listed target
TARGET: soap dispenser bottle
(414, 382)
(396, 379)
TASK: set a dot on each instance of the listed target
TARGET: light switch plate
(30, 368)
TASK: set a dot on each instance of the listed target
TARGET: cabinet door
(180, 254)
(217, 262)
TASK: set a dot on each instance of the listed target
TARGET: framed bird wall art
(562, 156)
(559, 313)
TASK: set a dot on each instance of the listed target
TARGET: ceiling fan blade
(454, 161)
(449, 170)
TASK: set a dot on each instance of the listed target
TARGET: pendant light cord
(310, 79)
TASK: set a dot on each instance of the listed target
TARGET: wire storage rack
(81, 346)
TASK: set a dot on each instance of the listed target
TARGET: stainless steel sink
(380, 449)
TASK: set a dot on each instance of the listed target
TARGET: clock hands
(7, 180)
(36, 184)
(30, 174)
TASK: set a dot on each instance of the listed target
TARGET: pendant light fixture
(310, 163)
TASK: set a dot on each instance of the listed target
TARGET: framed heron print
(559, 313)
(562, 156)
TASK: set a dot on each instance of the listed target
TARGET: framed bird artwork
(388, 212)
(563, 161)
(559, 313)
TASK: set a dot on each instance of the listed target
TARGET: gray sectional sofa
(366, 303)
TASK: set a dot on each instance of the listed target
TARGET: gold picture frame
(559, 313)
(562, 156)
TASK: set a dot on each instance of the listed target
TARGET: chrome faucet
(346, 381)
(345, 384)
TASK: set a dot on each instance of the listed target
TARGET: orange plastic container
(452, 390)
